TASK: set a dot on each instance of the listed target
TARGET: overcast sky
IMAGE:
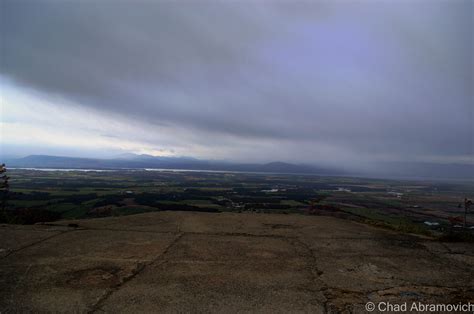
(321, 82)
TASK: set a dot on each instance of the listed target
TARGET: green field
(402, 205)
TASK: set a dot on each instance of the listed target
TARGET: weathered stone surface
(203, 262)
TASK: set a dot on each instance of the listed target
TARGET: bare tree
(4, 188)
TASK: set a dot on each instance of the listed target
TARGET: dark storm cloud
(383, 78)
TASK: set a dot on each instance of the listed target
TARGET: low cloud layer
(318, 81)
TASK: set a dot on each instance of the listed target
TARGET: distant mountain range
(398, 170)
(132, 161)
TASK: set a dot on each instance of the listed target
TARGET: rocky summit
(225, 262)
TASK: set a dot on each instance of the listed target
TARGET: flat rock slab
(224, 262)
(14, 237)
(73, 271)
(212, 273)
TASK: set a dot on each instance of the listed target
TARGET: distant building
(270, 191)
(397, 194)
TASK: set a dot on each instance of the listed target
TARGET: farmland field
(411, 206)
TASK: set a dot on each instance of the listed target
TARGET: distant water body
(132, 169)
(153, 169)
(63, 169)
(413, 178)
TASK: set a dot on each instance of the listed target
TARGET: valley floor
(224, 262)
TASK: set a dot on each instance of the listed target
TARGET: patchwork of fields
(404, 205)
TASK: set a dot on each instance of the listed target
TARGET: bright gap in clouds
(35, 123)
(31, 119)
